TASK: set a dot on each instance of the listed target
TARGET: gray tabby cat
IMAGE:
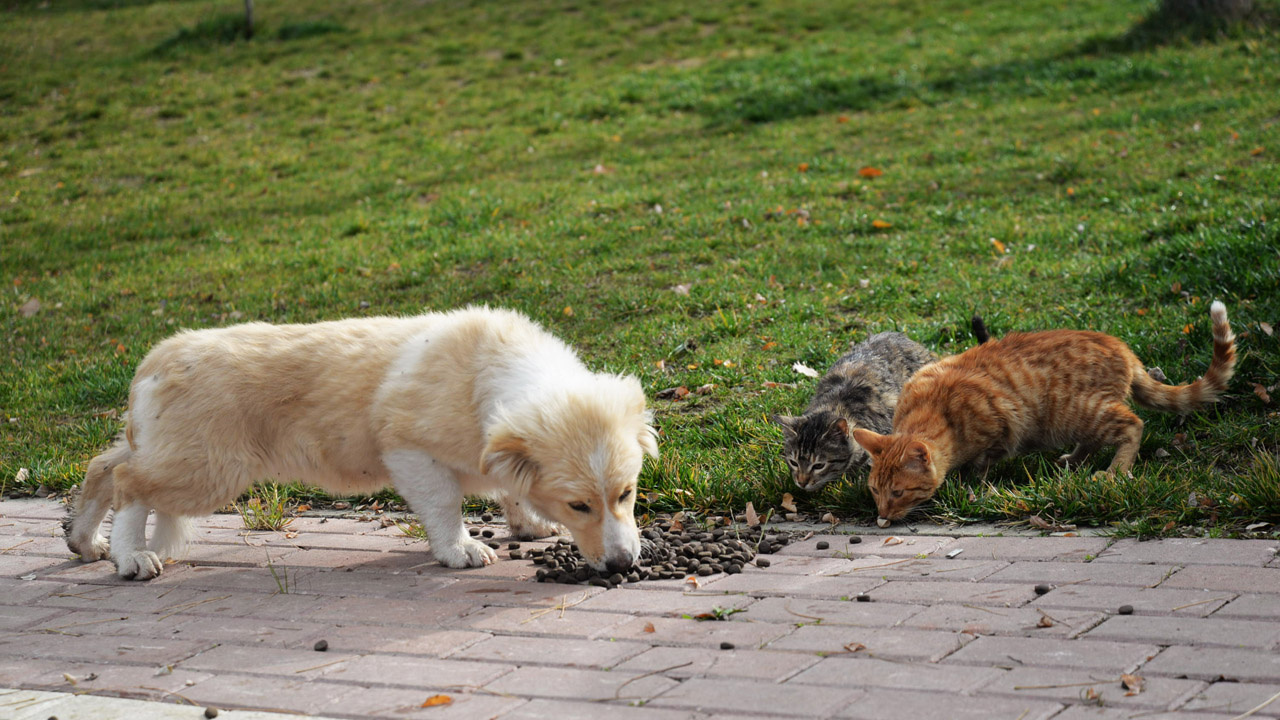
(860, 390)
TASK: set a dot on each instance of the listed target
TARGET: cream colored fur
(440, 405)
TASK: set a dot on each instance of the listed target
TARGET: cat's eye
(817, 467)
(791, 463)
(897, 493)
(580, 507)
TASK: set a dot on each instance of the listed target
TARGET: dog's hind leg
(92, 503)
(432, 491)
(171, 536)
(524, 523)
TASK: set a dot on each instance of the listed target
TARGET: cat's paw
(139, 565)
(465, 554)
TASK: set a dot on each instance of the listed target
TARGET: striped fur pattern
(1025, 392)
(860, 390)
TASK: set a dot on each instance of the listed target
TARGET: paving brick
(22, 592)
(1265, 607)
(1095, 574)
(268, 694)
(19, 672)
(629, 600)
(77, 623)
(120, 680)
(679, 631)
(408, 641)
(32, 509)
(577, 684)
(134, 598)
(237, 555)
(567, 710)
(932, 568)
(1192, 603)
(417, 672)
(267, 661)
(102, 648)
(385, 702)
(1192, 551)
(881, 547)
(1226, 577)
(21, 618)
(336, 582)
(761, 585)
(727, 696)
(425, 612)
(1060, 549)
(545, 621)
(828, 612)
(890, 644)
(508, 593)
(1031, 622)
(1068, 687)
(239, 603)
(1189, 631)
(1083, 712)
(249, 631)
(1097, 655)
(1236, 698)
(41, 545)
(13, 527)
(683, 662)
(551, 651)
(802, 565)
(980, 593)
(846, 670)
(103, 572)
(879, 704)
(1212, 663)
(17, 566)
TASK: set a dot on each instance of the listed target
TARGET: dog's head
(574, 456)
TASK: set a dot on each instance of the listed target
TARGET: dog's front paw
(92, 551)
(468, 553)
(139, 565)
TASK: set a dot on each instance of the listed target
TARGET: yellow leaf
(999, 245)
(870, 172)
(1187, 330)
(803, 167)
(648, 627)
(568, 311)
(435, 700)
(881, 224)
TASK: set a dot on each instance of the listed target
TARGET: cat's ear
(841, 426)
(917, 458)
(786, 422)
(873, 443)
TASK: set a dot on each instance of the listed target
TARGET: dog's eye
(626, 494)
(580, 507)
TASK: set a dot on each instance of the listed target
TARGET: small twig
(793, 612)
(91, 622)
(1265, 703)
(872, 567)
(564, 605)
(317, 667)
(977, 607)
(24, 542)
(1198, 602)
(1056, 620)
(188, 700)
(187, 606)
(616, 692)
(1024, 713)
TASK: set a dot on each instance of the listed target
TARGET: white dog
(442, 405)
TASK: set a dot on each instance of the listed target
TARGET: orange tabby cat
(1026, 391)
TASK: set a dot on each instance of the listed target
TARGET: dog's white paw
(139, 565)
(92, 551)
(468, 553)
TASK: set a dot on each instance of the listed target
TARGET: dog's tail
(93, 501)
(1151, 393)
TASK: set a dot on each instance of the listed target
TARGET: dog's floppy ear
(507, 454)
(649, 439)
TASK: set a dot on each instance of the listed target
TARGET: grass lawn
(701, 197)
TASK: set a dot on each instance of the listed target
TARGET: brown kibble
(1125, 610)
(863, 598)
(1042, 589)
(209, 712)
(726, 646)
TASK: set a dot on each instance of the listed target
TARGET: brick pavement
(236, 624)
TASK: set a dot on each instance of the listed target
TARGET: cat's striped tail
(1151, 393)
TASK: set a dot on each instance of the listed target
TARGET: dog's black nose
(617, 566)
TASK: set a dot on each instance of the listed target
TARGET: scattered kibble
(486, 533)
(322, 645)
(863, 598)
(854, 539)
(1042, 589)
(1125, 610)
(726, 646)
(823, 544)
(487, 517)
(209, 712)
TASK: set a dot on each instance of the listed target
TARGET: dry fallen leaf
(804, 369)
(881, 224)
(29, 308)
(830, 519)
(1091, 694)
(568, 311)
(891, 540)
(435, 700)
(682, 289)
(1132, 683)
(648, 627)
(1266, 328)
(675, 393)
(788, 503)
(692, 582)
(752, 518)
(1045, 621)
(870, 172)
(1261, 392)
(803, 167)
(854, 647)
(998, 245)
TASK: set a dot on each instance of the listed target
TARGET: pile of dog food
(667, 551)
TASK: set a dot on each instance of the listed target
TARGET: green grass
(578, 161)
